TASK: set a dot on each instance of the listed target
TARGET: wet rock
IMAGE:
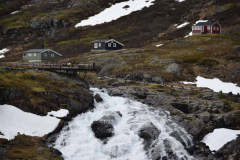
(181, 138)
(55, 152)
(98, 98)
(103, 128)
(149, 132)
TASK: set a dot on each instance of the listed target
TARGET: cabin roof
(208, 23)
(41, 51)
(105, 41)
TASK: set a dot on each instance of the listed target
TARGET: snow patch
(60, 113)
(14, 121)
(216, 85)
(116, 11)
(159, 45)
(15, 12)
(2, 51)
(183, 25)
(179, 0)
(219, 137)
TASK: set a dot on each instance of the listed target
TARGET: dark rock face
(231, 150)
(9, 94)
(148, 132)
(182, 107)
(102, 129)
(98, 98)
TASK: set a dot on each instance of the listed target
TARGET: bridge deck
(52, 67)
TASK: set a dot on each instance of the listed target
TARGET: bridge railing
(50, 66)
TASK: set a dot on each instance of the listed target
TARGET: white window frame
(114, 45)
(217, 28)
(109, 45)
(34, 54)
(208, 28)
(95, 45)
(99, 45)
(29, 54)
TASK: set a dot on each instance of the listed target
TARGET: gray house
(38, 55)
(106, 44)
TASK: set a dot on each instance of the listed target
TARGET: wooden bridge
(58, 67)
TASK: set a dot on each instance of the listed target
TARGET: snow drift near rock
(14, 121)
(116, 11)
(216, 85)
(219, 137)
(2, 51)
(60, 113)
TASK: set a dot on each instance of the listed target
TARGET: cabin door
(205, 29)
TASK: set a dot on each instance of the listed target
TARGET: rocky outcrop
(98, 98)
(142, 78)
(149, 133)
(231, 150)
(104, 127)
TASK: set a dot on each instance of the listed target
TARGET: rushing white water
(77, 141)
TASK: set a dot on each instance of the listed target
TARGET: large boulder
(148, 133)
(103, 128)
(98, 98)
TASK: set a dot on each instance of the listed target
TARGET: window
(45, 54)
(99, 44)
(114, 45)
(35, 54)
(95, 45)
(217, 28)
(29, 54)
(208, 27)
(52, 55)
(109, 45)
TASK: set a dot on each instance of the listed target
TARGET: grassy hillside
(206, 55)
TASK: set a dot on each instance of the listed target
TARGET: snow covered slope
(219, 137)
(14, 121)
(116, 11)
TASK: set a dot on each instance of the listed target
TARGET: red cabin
(208, 27)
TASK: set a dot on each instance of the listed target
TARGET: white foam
(77, 139)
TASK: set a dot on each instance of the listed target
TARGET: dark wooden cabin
(106, 45)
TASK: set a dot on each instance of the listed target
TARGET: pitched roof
(100, 40)
(208, 23)
(41, 51)
(105, 41)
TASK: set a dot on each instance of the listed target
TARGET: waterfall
(77, 141)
